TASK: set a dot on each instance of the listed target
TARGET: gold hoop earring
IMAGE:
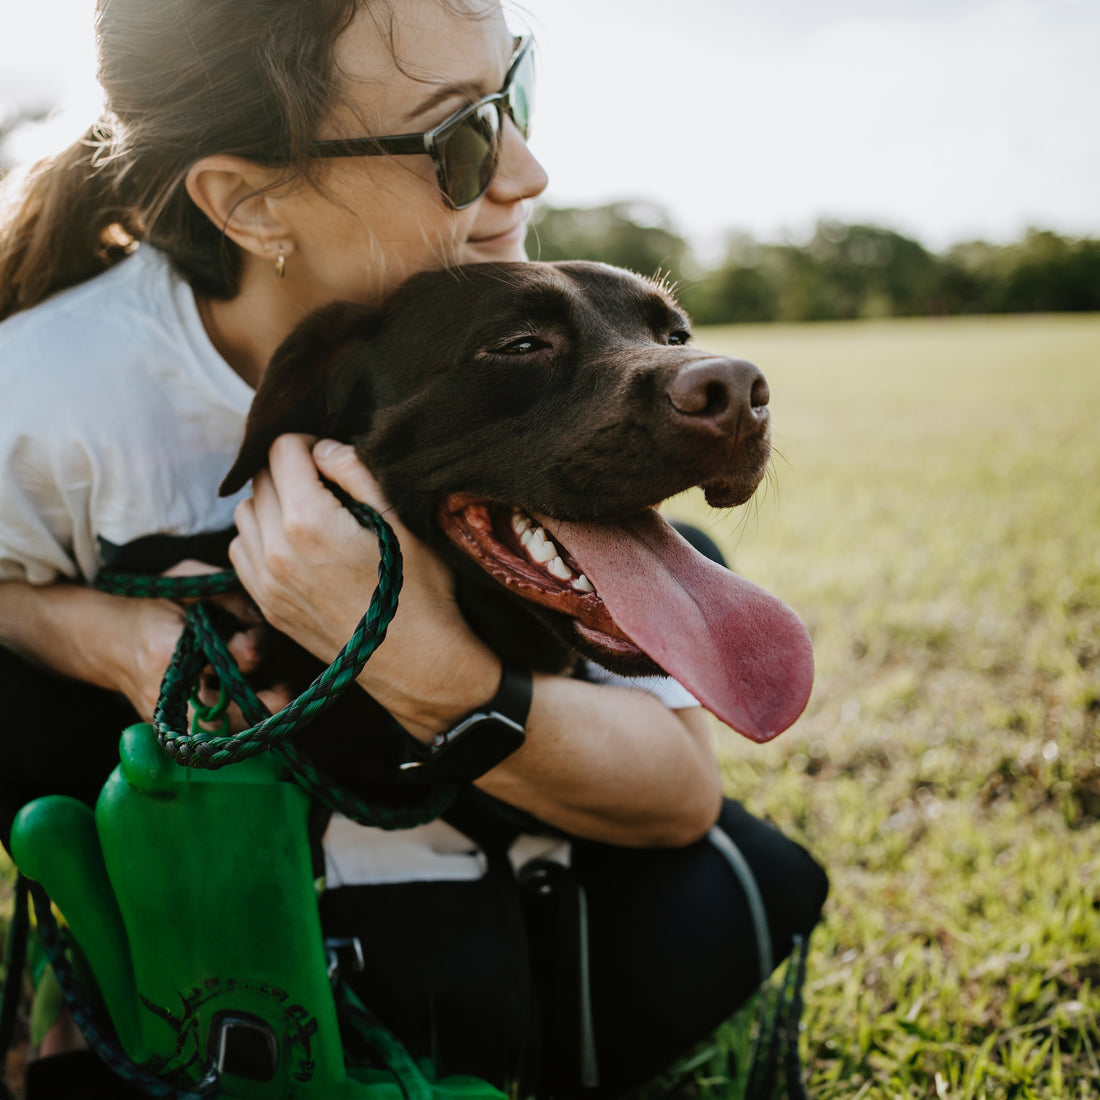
(280, 264)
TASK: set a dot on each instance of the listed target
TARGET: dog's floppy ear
(293, 394)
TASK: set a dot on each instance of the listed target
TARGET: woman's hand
(120, 643)
(142, 635)
(245, 646)
(311, 568)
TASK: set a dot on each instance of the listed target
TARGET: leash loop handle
(200, 645)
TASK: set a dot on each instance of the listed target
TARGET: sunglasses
(464, 148)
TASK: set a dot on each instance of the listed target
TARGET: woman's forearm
(112, 642)
(605, 762)
(53, 626)
(612, 764)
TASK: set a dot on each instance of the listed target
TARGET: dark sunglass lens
(468, 155)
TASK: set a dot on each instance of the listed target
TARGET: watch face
(475, 745)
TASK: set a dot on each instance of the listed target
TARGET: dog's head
(527, 417)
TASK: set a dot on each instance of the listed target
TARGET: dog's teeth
(520, 523)
(558, 568)
(582, 584)
(540, 548)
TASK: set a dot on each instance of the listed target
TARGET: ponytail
(67, 223)
(182, 79)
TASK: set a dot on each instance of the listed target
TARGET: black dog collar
(482, 739)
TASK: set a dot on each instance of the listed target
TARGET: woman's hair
(183, 79)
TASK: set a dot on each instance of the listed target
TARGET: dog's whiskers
(665, 282)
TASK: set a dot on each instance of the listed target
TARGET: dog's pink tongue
(744, 654)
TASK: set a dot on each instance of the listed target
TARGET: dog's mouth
(516, 550)
(640, 596)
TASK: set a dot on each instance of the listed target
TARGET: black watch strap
(482, 739)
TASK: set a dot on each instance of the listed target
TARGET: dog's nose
(728, 396)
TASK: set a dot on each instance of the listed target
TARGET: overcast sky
(945, 119)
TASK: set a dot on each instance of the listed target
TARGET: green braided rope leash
(200, 646)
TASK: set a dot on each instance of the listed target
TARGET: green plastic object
(190, 894)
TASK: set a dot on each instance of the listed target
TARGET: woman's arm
(118, 643)
(608, 763)
(612, 764)
(112, 642)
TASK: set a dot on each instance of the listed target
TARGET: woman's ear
(237, 196)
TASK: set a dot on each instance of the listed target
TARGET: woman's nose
(518, 176)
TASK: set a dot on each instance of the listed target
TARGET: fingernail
(325, 447)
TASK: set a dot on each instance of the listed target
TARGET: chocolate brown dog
(525, 419)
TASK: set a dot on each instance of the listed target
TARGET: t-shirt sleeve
(44, 490)
(673, 694)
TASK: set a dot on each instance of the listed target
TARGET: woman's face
(405, 66)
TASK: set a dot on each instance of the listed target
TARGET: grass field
(934, 516)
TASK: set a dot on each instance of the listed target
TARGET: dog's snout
(726, 395)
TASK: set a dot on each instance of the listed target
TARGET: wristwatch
(482, 739)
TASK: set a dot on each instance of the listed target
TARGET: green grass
(934, 516)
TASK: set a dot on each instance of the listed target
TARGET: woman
(128, 378)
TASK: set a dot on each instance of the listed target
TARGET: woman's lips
(511, 235)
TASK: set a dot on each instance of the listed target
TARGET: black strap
(513, 699)
(776, 1042)
(480, 741)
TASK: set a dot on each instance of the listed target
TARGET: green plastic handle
(191, 895)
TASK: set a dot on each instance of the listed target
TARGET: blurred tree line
(843, 272)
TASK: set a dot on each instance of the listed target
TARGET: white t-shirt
(118, 420)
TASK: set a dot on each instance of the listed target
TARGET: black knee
(703, 543)
(792, 883)
(60, 736)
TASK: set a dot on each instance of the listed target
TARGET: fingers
(302, 556)
(290, 518)
(246, 648)
(240, 607)
(339, 463)
(153, 632)
(190, 567)
(209, 693)
(286, 505)
(276, 697)
(312, 570)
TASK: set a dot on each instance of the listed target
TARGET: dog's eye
(680, 336)
(524, 345)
